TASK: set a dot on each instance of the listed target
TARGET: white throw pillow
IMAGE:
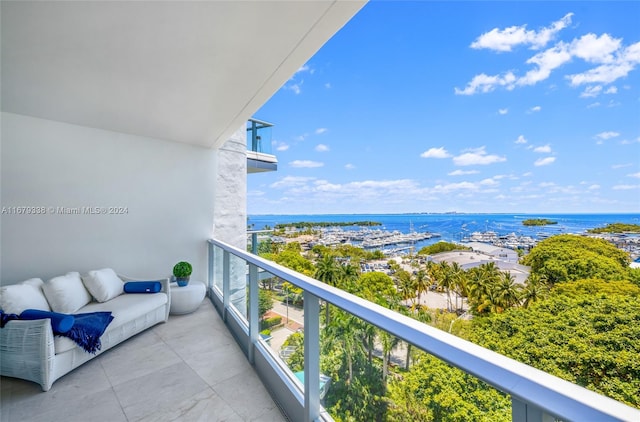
(103, 284)
(66, 294)
(26, 295)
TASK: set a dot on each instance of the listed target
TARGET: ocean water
(453, 227)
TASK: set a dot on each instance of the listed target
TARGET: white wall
(168, 189)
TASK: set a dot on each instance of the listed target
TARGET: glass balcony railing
(259, 136)
(302, 377)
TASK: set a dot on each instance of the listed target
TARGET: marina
(402, 233)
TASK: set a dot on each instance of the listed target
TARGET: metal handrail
(538, 392)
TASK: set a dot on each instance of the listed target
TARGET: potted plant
(182, 271)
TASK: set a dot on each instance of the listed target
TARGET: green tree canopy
(617, 228)
(434, 391)
(587, 332)
(442, 247)
(569, 257)
(293, 260)
(377, 287)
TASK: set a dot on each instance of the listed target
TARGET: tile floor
(189, 369)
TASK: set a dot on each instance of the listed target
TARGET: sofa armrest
(27, 351)
(165, 289)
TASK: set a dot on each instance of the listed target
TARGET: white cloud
(612, 67)
(291, 181)
(435, 153)
(305, 164)
(302, 69)
(611, 90)
(321, 130)
(636, 175)
(485, 83)
(592, 105)
(591, 91)
(544, 161)
(295, 87)
(613, 103)
(322, 148)
(613, 60)
(619, 166)
(280, 146)
(477, 156)
(546, 62)
(594, 187)
(327, 85)
(462, 172)
(546, 149)
(594, 49)
(505, 39)
(527, 174)
(349, 166)
(521, 140)
(626, 187)
(503, 111)
(607, 135)
(535, 109)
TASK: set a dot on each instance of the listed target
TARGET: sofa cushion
(66, 294)
(126, 308)
(103, 284)
(16, 298)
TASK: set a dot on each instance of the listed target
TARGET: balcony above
(259, 157)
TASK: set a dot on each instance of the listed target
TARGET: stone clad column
(230, 211)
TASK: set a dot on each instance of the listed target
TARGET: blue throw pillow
(142, 287)
(61, 323)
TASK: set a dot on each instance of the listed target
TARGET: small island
(308, 224)
(538, 222)
(616, 228)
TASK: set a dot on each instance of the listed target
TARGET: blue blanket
(86, 329)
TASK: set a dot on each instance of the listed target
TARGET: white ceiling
(185, 71)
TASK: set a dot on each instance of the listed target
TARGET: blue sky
(462, 106)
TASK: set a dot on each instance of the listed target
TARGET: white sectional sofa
(29, 349)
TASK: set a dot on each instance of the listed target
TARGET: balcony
(259, 157)
(215, 362)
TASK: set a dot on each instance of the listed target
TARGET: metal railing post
(254, 136)
(210, 269)
(226, 283)
(311, 357)
(254, 323)
(254, 243)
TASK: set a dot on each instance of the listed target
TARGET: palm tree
(535, 288)
(507, 292)
(446, 281)
(343, 333)
(327, 271)
(422, 283)
(481, 286)
(406, 286)
(348, 273)
(388, 343)
(459, 277)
